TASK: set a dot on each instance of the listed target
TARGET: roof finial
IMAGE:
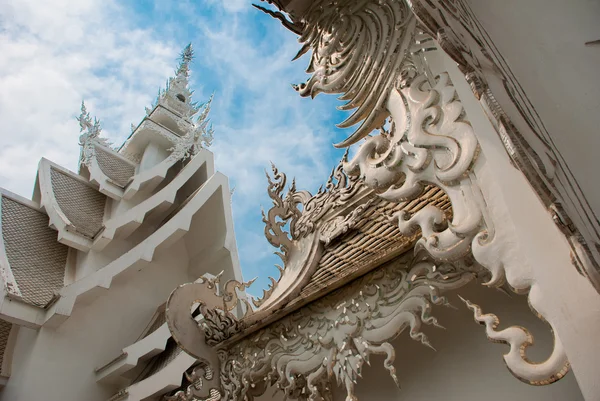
(186, 58)
(92, 128)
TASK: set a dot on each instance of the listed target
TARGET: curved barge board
(74, 207)
(110, 171)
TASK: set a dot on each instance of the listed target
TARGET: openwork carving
(428, 142)
(528, 143)
(303, 211)
(334, 30)
(90, 136)
(198, 135)
(366, 51)
(335, 336)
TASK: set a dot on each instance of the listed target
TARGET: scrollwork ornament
(303, 211)
(336, 335)
(362, 50)
(530, 146)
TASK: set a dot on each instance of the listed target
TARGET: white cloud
(54, 54)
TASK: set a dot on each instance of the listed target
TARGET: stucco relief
(379, 30)
(304, 212)
(90, 136)
(367, 52)
(336, 335)
(364, 50)
(530, 146)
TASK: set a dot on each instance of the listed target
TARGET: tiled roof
(36, 259)
(115, 168)
(374, 240)
(5, 328)
(82, 204)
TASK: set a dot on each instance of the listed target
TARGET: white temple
(456, 207)
(88, 263)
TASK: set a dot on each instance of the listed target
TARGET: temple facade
(456, 193)
(453, 254)
(88, 263)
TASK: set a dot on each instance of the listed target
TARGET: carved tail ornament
(197, 332)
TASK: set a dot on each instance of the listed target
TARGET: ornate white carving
(215, 306)
(362, 49)
(427, 143)
(381, 30)
(177, 95)
(303, 211)
(519, 339)
(528, 143)
(198, 135)
(430, 142)
(305, 214)
(336, 335)
(364, 53)
(90, 136)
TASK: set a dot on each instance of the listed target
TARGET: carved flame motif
(90, 135)
(336, 335)
(362, 50)
(302, 214)
(198, 135)
(335, 30)
(301, 210)
(528, 143)
(428, 142)
(284, 210)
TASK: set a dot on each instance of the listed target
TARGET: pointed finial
(85, 121)
(186, 58)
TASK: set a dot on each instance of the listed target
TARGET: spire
(186, 57)
(177, 96)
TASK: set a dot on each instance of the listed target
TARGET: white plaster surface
(543, 42)
(58, 364)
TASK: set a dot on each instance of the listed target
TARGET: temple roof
(30, 251)
(325, 241)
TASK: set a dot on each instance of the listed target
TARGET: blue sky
(116, 55)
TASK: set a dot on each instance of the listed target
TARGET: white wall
(543, 42)
(58, 365)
